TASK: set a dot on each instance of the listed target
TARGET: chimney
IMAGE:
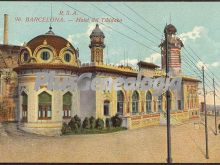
(5, 29)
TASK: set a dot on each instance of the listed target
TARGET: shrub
(78, 121)
(116, 121)
(92, 122)
(219, 127)
(72, 124)
(108, 122)
(99, 123)
(86, 123)
(65, 128)
(75, 123)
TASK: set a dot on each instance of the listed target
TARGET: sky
(197, 25)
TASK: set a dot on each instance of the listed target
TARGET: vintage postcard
(109, 82)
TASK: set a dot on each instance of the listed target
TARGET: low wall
(139, 121)
(144, 120)
(48, 129)
(180, 115)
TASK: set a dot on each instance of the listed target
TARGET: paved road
(138, 145)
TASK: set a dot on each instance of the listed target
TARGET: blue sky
(197, 24)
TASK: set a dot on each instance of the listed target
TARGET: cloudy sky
(197, 25)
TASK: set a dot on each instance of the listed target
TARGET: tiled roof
(147, 64)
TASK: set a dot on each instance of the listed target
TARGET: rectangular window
(49, 113)
(44, 112)
(66, 111)
(24, 112)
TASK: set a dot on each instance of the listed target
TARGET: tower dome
(97, 45)
(171, 29)
(97, 32)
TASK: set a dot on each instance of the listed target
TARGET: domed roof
(51, 39)
(48, 49)
(171, 29)
(97, 32)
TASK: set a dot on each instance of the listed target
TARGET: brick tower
(174, 51)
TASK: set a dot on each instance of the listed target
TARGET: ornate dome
(171, 29)
(97, 32)
(49, 49)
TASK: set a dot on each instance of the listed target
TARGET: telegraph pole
(206, 130)
(216, 132)
(169, 157)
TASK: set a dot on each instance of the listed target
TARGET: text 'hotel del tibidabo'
(43, 111)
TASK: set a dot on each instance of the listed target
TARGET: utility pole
(169, 157)
(216, 132)
(206, 130)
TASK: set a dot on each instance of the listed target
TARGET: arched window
(24, 106)
(135, 100)
(169, 101)
(45, 55)
(67, 104)
(106, 107)
(44, 104)
(194, 102)
(179, 103)
(26, 56)
(148, 102)
(159, 103)
(120, 102)
(188, 98)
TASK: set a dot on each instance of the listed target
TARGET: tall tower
(174, 51)
(5, 42)
(97, 45)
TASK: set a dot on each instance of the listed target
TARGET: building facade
(43, 111)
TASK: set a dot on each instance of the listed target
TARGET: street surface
(138, 145)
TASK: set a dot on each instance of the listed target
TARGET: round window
(45, 55)
(25, 56)
(67, 57)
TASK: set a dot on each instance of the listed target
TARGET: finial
(45, 42)
(50, 30)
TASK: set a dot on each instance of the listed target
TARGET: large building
(43, 111)
(8, 78)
